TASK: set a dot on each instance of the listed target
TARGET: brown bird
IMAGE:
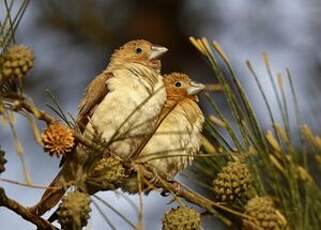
(122, 104)
(177, 138)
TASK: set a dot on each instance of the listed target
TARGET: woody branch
(14, 206)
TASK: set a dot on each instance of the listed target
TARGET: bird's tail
(54, 216)
(51, 196)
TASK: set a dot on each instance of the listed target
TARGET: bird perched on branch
(122, 104)
(178, 134)
(170, 148)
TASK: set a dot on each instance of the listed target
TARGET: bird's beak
(195, 88)
(157, 51)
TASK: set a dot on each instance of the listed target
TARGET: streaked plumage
(122, 104)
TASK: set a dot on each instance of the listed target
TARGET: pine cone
(182, 218)
(107, 172)
(3, 161)
(74, 211)
(232, 181)
(264, 215)
(16, 62)
(58, 139)
(130, 184)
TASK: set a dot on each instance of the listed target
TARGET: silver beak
(157, 51)
(195, 88)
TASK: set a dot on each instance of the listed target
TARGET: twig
(214, 87)
(195, 198)
(31, 108)
(24, 212)
(141, 199)
(21, 103)
(29, 185)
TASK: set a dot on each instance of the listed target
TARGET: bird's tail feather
(54, 216)
(51, 196)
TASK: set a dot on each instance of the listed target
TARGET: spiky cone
(263, 215)
(74, 210)
(232, 181)
(107, 174)
(16, 62)
(3, 161)
(57, 139)
(182, 218)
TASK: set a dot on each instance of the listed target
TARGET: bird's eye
(139, 50)
(178, 84)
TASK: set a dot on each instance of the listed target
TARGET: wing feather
(94, 94)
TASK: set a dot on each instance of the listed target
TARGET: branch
(193, 197)
(22, 103)
(39, 114)
(196, 198)
(24, 212)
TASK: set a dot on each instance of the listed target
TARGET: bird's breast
(176, 140)
(129, 111)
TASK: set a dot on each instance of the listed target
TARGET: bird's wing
(166, 110)
(95, 93)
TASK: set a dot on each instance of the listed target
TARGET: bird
(122, 104)
(177, 137)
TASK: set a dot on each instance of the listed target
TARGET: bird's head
(139, 51)
(179, 86)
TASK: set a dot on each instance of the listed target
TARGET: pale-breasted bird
(122, 104)
(178, 134)
(176, 138)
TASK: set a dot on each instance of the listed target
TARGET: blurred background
(74, 39)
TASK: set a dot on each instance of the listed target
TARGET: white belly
(175, 136)
(128, 112)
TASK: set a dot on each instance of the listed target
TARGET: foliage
(280, 168)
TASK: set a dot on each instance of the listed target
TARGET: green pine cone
(74, 211)
(182, 218)
(232, 181)
(16, 62)
(3, 161)
(107, 174)
(263, 215)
